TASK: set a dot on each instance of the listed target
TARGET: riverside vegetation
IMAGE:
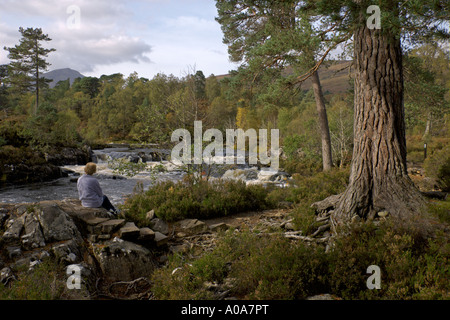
(261, 263)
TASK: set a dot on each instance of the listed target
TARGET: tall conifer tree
(378, 179)
(28, 62)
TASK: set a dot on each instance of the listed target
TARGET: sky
(98, 37)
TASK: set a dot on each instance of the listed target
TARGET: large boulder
(121, 260)
(32, 237)
(65, 229)
(56, 224)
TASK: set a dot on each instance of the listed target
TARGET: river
(118, 187)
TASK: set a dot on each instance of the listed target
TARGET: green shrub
(304, 166)
(265, 268)
(308, 190)
(176, 281)
(441, 210)
(195, 199)
(437, 165)
(443, 174)
(413, 263)
(275, 268)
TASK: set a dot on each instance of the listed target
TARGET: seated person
(90, 192)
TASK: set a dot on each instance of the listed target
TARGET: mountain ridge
(62, 75)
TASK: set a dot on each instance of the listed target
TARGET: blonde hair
(90, 168)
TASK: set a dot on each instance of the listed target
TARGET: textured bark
(378, 178)
(323, 122)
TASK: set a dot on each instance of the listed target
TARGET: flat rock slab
(146, 234)
(96, 220)
(112, 225)
(129, 231)
(192, 226)
(219, 227)
(160, 239)
(94, 225)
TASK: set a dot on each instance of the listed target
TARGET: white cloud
(100, 39)
(147, 36)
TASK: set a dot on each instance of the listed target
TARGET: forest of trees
(278, 49)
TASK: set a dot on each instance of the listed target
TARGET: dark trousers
(107, 204)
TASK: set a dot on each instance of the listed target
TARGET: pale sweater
(90, 192)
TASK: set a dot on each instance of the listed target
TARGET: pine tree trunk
(428, 127)
(378, 178)
(37, 92)
(323, 123)
(37, 76)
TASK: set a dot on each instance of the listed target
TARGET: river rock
(273, 176)
(192, 226)
(219, 227)
(241, 174)
(6, 275)
(94, 225)
(150, 215)
(160, 225)
(14, 227)
(3, 217)
(146, 235)
(13, 251)
(20, 173)
(160, 239)
(67, 252)
(69, 156)
(121, 260)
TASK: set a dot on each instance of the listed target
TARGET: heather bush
(195, 199)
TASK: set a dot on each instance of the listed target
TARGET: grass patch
(47, 281)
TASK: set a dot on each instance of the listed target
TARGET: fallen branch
(295, 235)
(130, 285)
(321, 229)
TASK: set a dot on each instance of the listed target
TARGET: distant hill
(61, 75)
(334, 77)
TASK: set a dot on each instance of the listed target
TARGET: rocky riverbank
(107, 249)
(23, 165)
